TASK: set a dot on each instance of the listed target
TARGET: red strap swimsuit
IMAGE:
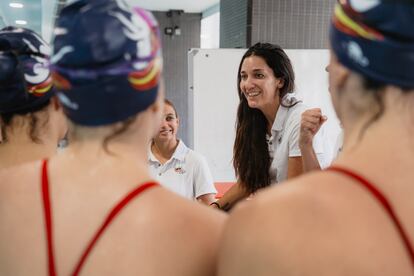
(380, 197)
(49, 224)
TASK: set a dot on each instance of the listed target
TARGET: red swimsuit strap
(377, 194)
(110, 217)
(48, 219)
(115, 211)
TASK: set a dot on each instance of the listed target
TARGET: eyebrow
(254, 70)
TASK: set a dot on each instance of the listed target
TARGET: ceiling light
(16, 5)
(21, 22)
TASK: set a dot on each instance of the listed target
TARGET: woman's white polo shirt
(186, 173)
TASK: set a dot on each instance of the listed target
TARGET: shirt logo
(179, 170)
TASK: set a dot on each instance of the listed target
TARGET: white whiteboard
(214, 100)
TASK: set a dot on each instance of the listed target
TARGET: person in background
(356, 217)
(94, 209)
(177, 167)
(266, 148)
(31, 119)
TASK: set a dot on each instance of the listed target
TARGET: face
(258, 83)
(169, 125)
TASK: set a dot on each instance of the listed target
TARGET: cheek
(242, 86)
(271, 90)
(333, 80)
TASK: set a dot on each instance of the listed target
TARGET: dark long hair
(36, 123)
(251, 159)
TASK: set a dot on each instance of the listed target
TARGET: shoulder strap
(48, 219)
(114, 212)
(377, 194)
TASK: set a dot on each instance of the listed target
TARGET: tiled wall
(293, 24)
(175, 50)
(234, 23)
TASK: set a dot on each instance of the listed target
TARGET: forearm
(232, 196)
(309, 160)
(206, 198)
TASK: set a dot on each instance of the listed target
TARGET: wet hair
(35, 121)
(251, 159)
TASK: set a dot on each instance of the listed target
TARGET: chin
(252, 104)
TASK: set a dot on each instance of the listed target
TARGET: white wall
(210, 31)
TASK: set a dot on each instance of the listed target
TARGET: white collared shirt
(186, 173)
(284, 141)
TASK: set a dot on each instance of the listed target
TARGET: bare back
(321, 224)
(158, 233)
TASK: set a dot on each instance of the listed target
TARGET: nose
(247, 84)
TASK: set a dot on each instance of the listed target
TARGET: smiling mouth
(165, 131)
(251, 94)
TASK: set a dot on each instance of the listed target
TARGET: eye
(169, 118)
(260, 75)
(243, 77)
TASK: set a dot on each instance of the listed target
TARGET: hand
(311, 122)
(215, 205)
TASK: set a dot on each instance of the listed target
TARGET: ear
(342, 75)
(178, 121)
(280, 83)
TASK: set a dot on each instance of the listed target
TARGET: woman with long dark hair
(356, 217)
(266, 148)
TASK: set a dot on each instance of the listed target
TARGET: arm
(205, 190)
(232, 196)
(206, 199)
(295, 167)
(309, 159)
(311, 122)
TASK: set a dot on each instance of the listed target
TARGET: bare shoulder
(21, 178)
(318, 218)
(262, 234)
(188, 215)
(188, 232)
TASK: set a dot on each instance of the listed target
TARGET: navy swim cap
(376, 39)
(106, 61)
(25, 79)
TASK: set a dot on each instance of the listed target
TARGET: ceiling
(40, 14)
(31, 13)
(165, 5)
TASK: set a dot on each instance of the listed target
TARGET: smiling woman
(266, 148)
(177, 167)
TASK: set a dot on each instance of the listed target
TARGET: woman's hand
(311, 122)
